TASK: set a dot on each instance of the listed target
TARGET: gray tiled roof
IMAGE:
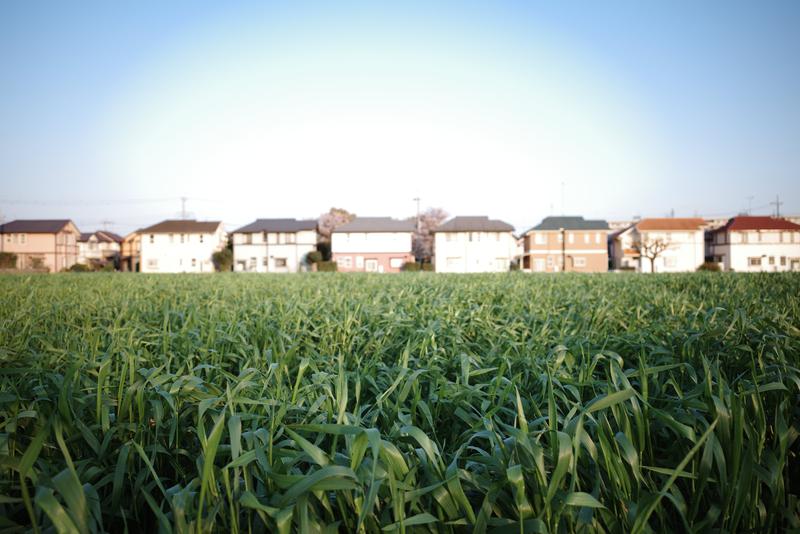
(34, 226)
(474, 224)
(570, 223)
(376, 224)
(182, 226)
(277, 225)
(103, 236)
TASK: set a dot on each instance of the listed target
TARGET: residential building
(274, 245)
(662, 245)
(749, 243)
(50, 244)
(131, 252)
(566, 243)
(474, 245)
(180, 246)
(99, 248)
(372, 244)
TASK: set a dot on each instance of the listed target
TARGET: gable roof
(570, 223)
(278, 225)
(35, 226)
(376, 224)
(474, 224)
(182, 226)
(102, 236)
(748, 222)
(671, 223)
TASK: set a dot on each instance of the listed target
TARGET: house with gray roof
(99, 248)
(373, 244)
(274, 245)
(566, 243)
(180, 246)
(474, 244)
(41, 244)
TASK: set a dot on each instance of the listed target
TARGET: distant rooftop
(376, 224)
(184, 226)
(277, 225)
(102, 235)
(34, 226)
(671, 223)
(745, 222)
(474, 224)
(570, 223)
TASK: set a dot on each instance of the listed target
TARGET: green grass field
(416, 402)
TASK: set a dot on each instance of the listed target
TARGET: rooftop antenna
(183, 207)
(562, 199)
(416, 199)
(750, 204)
(106, 224)
(777, 205)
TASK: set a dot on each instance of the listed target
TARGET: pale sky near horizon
(112, 111)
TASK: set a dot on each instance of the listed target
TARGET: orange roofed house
(566, 244)
(661, 245)
(50, 244)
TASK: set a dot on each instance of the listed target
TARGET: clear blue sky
(113, 112)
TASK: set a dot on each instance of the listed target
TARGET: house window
(448, 236)
(280, 262)
(772, 260)
(152, 263)
(171, 238)
(152, 239)
(281, 239)
(580, 261)
(253, 263)
(550, 261)
(194, 262)
(248, 239)
(345, 261)
(22, 238)
(291, 238)
(539, 238)
(182, 238)
(571, 237)
(586, 238)
(783, 260)
(265, 262)
(359, 262)
(597, 238)
(538, 265)
(371, 266)
(396, 263)
(754, 262)
(201, 238)
(560, 237)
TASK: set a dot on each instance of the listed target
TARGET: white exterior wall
(370, 242)
(162, 254)
(686, 251)
(487, 252)
(96, 250)
(263, 255)
(769, 246)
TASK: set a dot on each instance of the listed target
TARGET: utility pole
(777, 205)
(562, 199)
(106, 224)
(183, 207)
(750, 204)
(416, 199)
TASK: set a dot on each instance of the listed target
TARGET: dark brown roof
(744, 222)
(376, 224)
(182, 226)
(277, 225)
(102, 236)
(474, 224)
(34, 226)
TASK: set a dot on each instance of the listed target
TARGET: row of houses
(384, 245)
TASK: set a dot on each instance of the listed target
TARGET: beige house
(181, 246)
(131, 252)
(41, 243)
(571, 244)
(661, 245)
(99, 248)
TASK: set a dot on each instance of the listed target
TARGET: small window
(754, 262)
(345, 261)
(253, 263)
(152, 263)
(359, 262)
(280, 262)
(772, 260)
(539, 238)
(171, 238)
(571, 237)
(597, 238)
(183, 238)
(783, 260)
(580, 261)
(22, 238)
(396, 263)
(152, 238)
(291, 238)
(201, 238)
(265, 262)
(550, 261)
(194, 262)
(586, 238)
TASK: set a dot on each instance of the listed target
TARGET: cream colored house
(274, 245)
(566, 243)
(474, 245)
(131, 252)
(757, 244)
(180, 246)
(99, 248)
(661, 245)
(372, 244)
(41, 243)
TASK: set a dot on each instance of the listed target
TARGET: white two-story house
(661, 245)
(755, 244)
(474, 245)
(180, 246)
(99, 248)
(274, 245)
(372, 244)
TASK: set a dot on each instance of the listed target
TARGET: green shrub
(427, 267)
(8, 260)
(411, 266)
(315, 256)
(709, 266)
(80, 268)
(222, 260)
(326, 266)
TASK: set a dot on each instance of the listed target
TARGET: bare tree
(423, 238)
(326, 223)
(651, 249)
